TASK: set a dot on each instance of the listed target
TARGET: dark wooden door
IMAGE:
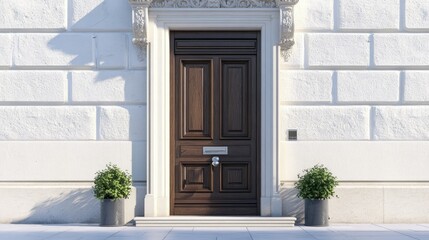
(215, 116)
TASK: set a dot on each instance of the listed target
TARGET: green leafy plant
(112, 183)
(316, 183)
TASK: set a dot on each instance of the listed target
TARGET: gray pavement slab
(334, 232)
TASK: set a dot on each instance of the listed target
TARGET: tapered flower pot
(316, 213)
(112, 213)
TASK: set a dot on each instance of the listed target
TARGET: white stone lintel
(286, 24)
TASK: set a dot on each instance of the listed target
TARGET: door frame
(161, 21)
(174, 120)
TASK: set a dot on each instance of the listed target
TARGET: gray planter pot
(316, 213)
(112, 213)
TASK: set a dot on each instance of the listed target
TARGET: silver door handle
(215, 161)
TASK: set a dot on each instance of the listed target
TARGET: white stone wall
(73, 91)
(72, 99)
(357, 91)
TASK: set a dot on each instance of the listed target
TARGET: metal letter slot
(215, 150)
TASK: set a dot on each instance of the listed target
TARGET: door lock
(215, 161)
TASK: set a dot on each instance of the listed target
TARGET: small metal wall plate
(292, 134)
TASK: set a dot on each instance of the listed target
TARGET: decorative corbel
(140, 22)
(286, 27)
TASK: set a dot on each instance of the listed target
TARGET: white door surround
(158, 24)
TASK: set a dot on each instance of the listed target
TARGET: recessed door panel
(235, 177)
(195, 99)
(214, 124)
(235, 104)
(196, 177)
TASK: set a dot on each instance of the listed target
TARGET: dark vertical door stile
(215, 115)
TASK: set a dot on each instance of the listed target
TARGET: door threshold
(214, 221)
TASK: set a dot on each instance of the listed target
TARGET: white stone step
(216, 221)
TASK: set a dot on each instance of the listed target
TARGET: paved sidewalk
(335, 232)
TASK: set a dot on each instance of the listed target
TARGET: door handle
(215, 161)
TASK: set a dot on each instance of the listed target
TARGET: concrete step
(208, 221)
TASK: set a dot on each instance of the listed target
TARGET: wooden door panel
(235, 104)
(196, 150)
(196, 177)
(235, 177)
(195, 98)
(216, 209)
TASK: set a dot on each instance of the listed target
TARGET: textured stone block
(305, 86)
(71, 160)
(368, 86)
(376, 203)
(399, 209)
(109, 86)
(32, 86)
(339, 49)
(34, 14)
(89, 15)
(326, 123)
(47, 123)
(417, 14)
(416, 86)
(401, 49)
(369, 14)
(29, 203)
(6, 49)
(401, 123)
(59, 203)
(357, 161)
(314, 15)
(348, 208)
(65, 49)
(111, 50)
(122, 123)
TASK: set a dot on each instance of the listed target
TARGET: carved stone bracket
(140, 16)
(286, 27)
(140, 20)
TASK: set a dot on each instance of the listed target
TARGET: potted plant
(112, 185)
(316, 185)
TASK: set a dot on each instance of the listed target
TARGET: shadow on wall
(86, 24)
(292, 205)
(120, 83)
(90, 45)
(139, 166)
(123, 119)
(77, 206)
